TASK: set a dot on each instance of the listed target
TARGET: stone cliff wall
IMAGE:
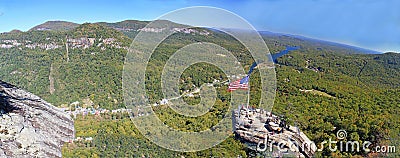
(29, 126)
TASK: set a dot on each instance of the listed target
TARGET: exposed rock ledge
(29, 126)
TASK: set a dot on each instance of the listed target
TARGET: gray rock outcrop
(29, 126)
(259, 126)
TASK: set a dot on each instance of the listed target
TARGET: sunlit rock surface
(29, 126)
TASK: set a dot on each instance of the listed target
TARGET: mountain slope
(55, 26)
(127, 25)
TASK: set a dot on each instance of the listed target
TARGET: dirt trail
(51, 79)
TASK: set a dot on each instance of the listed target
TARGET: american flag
(239, 84)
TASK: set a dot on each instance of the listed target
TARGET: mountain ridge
(56, 25)
(127, 26)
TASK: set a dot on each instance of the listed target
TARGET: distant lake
(283, 52)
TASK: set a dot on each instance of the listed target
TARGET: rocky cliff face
(29, 126)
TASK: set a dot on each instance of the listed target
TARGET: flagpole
(244, 81)
(248, 95)
(248, 74)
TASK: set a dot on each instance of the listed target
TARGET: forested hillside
(322, 87)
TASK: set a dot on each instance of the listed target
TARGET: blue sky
(372, 24)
